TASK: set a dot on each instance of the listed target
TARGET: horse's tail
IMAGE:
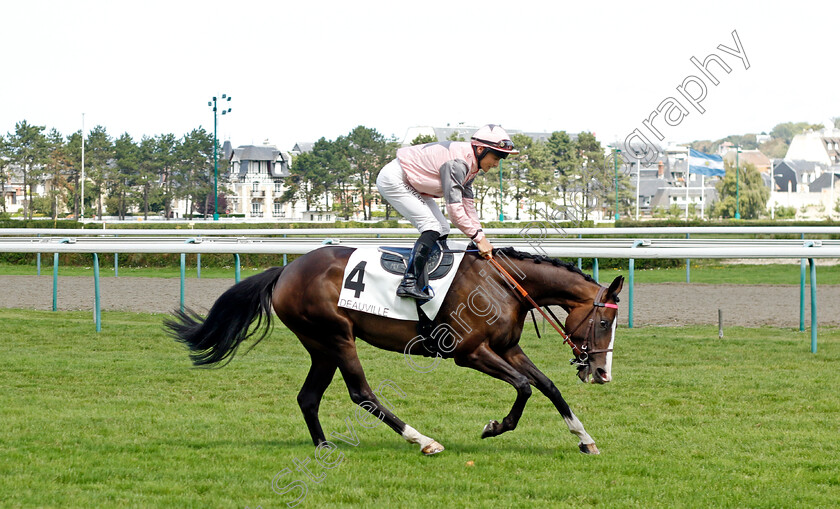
(215, 338)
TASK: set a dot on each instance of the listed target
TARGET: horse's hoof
(588, 448)
(432, 448)
(489, 430)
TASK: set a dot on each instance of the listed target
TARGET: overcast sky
(301, 70)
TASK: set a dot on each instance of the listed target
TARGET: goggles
(502, 144)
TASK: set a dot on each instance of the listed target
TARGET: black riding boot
(415, 280)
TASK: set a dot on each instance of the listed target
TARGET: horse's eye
(604, 324)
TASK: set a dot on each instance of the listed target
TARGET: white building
(821, 146)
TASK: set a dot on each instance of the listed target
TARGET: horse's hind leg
(363, 395)
(309, 398)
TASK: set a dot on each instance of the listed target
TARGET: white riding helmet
(492, 136)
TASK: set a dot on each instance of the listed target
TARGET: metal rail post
(802, 276)
(55, 276)
(116, 263)
(237, 274)
(687, 262)
(97, 309)
(636, 243)
(184, 271)
(813, 305)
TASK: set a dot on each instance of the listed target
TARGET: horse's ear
(616, 286)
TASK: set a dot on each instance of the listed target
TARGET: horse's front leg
(487, 361)
(517, 358)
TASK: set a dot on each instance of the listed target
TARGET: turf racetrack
(655, 304)
(120, 419)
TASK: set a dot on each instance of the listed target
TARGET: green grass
(119, 419)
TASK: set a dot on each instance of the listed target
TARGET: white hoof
(432, 448)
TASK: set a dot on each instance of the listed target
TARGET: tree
(58, 165)
(368, 151)
(195, 170)
(166, 158)
(99, 150)
(4, 163)
(74, 152)
(753, 193)
(27, 148)
(597, 183)
(312, 173)
(531, 174)
(124, 174)
(148, 168)
(563, 159)
(422, 139)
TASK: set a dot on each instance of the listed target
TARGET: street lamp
(737, 182)
(215, 154)
(615, 164)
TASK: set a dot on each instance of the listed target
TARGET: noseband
(582, 354)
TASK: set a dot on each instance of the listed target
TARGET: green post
(97, 305)
(802, 295)
(501, 194)
(55, 282)
(184, 271)
(615, 164)
(636, 243)
(183, 277)
(595, 269)
(237, 272)
(737, 185)
(813, 305)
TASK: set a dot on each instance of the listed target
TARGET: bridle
(583, 352)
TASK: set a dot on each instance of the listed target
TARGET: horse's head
(592, 330)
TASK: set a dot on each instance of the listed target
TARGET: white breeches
(421, 210)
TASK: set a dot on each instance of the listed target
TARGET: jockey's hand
(485, 248)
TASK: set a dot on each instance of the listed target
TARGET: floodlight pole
(215, 155)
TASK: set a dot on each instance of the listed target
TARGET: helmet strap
(478, 158)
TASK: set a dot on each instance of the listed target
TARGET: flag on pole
(705, 164)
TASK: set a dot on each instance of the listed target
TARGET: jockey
(421, 173)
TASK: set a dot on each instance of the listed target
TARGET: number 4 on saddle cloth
(372, 275)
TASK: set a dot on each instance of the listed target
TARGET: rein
(581, 353)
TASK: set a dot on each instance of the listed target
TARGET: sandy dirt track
(655, 304)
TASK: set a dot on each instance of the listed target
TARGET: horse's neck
(552, 285)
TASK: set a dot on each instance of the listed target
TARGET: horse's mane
(520, 255)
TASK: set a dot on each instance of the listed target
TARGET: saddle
(395, 260)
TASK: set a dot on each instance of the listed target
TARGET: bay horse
(482, 315)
